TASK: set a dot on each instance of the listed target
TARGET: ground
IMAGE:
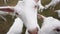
(4, 26)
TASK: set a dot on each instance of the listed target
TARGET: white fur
(49, 24)
(17, 26)
(19, 6)
(58, 11)
(52, 3)
(27, 13)
(30, 13)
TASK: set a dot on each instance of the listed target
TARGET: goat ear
(40, 16)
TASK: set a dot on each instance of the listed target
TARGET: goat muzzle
(34, 31)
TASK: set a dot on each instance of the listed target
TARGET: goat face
(50, 26)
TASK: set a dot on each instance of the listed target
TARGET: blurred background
(4, 26)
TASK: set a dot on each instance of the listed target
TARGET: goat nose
(57, 29)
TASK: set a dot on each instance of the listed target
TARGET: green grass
(4, 26)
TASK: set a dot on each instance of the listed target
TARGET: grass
(4, 26)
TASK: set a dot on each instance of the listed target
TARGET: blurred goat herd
(26, 13)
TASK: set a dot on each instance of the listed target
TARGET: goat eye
(35, 6)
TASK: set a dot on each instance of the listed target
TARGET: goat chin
(49, 24)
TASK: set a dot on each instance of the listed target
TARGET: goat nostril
(58, 30)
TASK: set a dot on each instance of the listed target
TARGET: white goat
(50, 26)
(27, 9)
(17, 26)
(28, 13)
(52, 3)
(58, 11)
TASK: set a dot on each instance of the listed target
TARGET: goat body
(17, 26)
